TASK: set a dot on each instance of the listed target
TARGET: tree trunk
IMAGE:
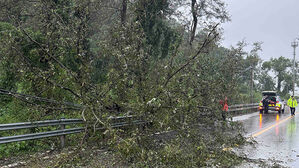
(278, 83)
(124, 12)
(194, 22)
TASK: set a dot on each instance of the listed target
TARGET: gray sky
(273, 22)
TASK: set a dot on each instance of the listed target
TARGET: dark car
(275, 103)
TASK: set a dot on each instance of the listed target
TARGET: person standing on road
(224, 108)
(266, 104)
(292, 103)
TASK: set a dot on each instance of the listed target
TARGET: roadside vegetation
(157, 59)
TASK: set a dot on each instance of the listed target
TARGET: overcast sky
(273, 22)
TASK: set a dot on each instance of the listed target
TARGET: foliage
(279, 66)
(148, 64)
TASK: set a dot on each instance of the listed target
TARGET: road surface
(277, 137)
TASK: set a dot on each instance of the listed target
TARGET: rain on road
(277, 136)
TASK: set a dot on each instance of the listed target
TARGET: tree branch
(206, 42)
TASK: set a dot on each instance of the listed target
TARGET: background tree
(266, 82)
(205, 11)
(280, 67)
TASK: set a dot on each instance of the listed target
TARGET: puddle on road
(277, 145)
(266, 154)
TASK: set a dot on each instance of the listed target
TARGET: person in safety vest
(292, 103)
(224, 108)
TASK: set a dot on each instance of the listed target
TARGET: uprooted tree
(125, 57)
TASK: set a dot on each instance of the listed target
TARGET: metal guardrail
(124, 124)
(116, 122)
(37, 124)
(40, 135)
(241, 107)
(16, 126)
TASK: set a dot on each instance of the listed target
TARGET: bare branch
(205, 43)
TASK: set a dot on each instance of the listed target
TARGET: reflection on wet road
(277, 137)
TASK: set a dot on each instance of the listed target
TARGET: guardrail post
(62, 137)
(32, 131)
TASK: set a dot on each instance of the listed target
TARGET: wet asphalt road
(277, 137)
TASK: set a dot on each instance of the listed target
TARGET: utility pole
(251, 87)
(294, 45)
